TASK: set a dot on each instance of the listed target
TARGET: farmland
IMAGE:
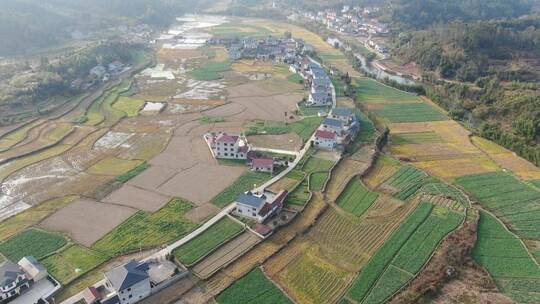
(129, 105)
(317, 180)
(416, 138)
(253, 288)
(212, 70)
(32, 242)
(210, 239)
(515, 202)
(507, 260)
(72, 262)
(304, 128)
(371, 91)
(356, 198)
(410, 112)
(31, 216)
(406, 182)
(404, 253)
(144, 230)
(242, 184)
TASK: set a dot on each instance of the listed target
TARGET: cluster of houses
(315, 76)
(270, 48)
(337, 130)
(351, 20)
(26, 282)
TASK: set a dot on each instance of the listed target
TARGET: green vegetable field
(512, 200)
(244, 183)
(356, 198)
(253, 288)
(410, 112)
(403, 254)
(506, 259)
(144, 230)
(407, 180)
(32, 242)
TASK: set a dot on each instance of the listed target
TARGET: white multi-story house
(224, 146)
(325, 139)
(130, 282)
(13, 280)
(259, 206)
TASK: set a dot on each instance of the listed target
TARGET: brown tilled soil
(138, 198)
(152, 177)
(202, 182)
(87, 221)
(201, 212)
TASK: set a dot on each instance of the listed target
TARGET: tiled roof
(342, 112)
(224, 137)
(262, 162)
(325, 134)
(9, 272)
(333, 122)
(127, 275)
(250, 200)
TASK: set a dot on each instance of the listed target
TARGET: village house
(319, 99)
(98, 71)
(333, 125)
(224, 146)
(130, 283)
(13, 280)
(343, 114)
(325, 139)
(262, 165)
(259, 206)
(321, 85)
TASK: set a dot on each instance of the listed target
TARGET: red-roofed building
(325, 139)
(262, 164)
(225, 146)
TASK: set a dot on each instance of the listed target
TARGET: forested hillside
(488, 53)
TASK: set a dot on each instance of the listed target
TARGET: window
(226, 154)
(253, 214)
(130, 296)
(129, 289)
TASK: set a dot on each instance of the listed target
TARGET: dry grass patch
(113, 166)
(507, 159)
(383, 169)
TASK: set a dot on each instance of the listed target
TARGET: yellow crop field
(129, 105)
(507, 159)
(451, 168)
(312, 279)
(381, 171)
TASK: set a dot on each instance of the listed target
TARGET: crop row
(210, 239)
(356, 198)
(503, 255)
(514, 201)
(377, 264)
(253, 288)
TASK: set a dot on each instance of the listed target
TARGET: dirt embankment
(452, 276)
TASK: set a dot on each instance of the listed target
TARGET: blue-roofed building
(343, 114)
(330, 124)
(130, 281)
(319, 99)
(259, 206)
(321, 85)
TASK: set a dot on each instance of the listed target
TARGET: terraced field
(406, 182)
(516, 273)
(410, 112)
(371, 91)
(219, 233)
(253, 288)
(403, 254)
(356, 198)
(515, 202)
